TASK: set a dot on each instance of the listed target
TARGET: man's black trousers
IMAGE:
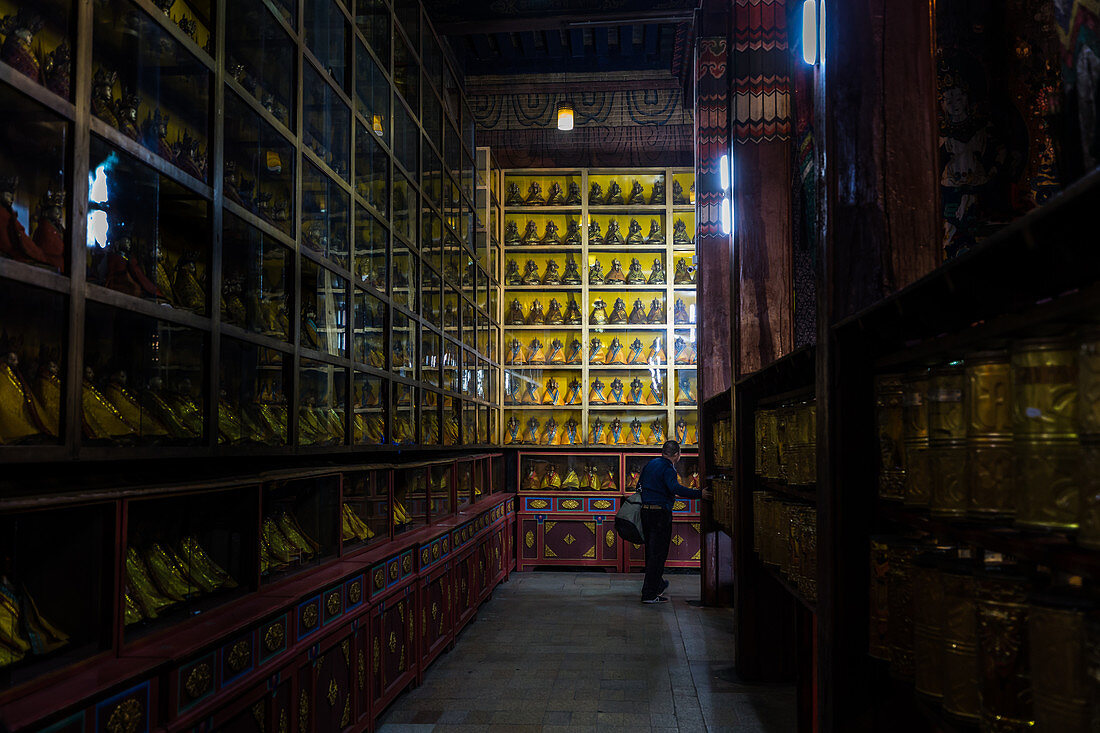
(657, 525)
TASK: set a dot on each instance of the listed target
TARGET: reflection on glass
(371, 243)
(404, 208)
(365, 516)
(433, 298)
(410, 499)
(403, 351)
(153, 240)
(326, 34)
(369, 424)
(433, 176)
(452, 421)
(33, 210)
(326, 122)
(298, 530)
(439, 477)
(483, 426)
(429, 417)
(324, 216)
(32, 360)
(451, 365)
(406, 141)
(261, 57)
(372, 94)
(369, 339)
(324, 309)
(372, 165)
(406, 74)
(323, 403)
(259, 165)
(373, 20)
(403, 422)
(38, 44)
(406, 283)
(144, 380)
(432, 345)
(469, 424)
(252, 404)
(149, 87)
(255, 280)
(465, 483)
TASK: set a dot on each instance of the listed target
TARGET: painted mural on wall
(803, 190)
(1077, 23)
(761, 79)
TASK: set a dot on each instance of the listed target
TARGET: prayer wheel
(928, 622)
(1056, 631)
(987, 404)
(889, 421)
(1005, 683)
(915, 387)
(960, 640)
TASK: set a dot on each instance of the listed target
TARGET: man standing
(660, 487)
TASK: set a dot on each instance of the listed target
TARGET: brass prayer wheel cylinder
(784, 417)
(990, 468)
(1044, 390)
(889, 421)
(915, 387)
(1057, 639)
(1003, 652)
(1088, 484)
(808, 545)
(757, 521)
(1046, 486)
(987, 396)
(899, 582)
(928, 622)
(950, 495)
(767, 448)
(1088, 384)
(960, 641)
(945, 404)
(879, 641)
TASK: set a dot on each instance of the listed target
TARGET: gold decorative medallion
(309, 616)
(199, 680)
(355, 591)
(345, 647)
(303, 710)
(570, 504)
(379, 579)
(435, 551)
(407, 564)
(538, 503)
(239, 656)
(569, 539)
(258, 715)
(602, 504)
(446, 544)
(333, 692)
(609, 538)
(273, 637)
(679, 506)
(127, 717)
(529, 539)
(425, 556)
(590, 552)
(395, 571)
(332, 603)
(677, 540)
(393, 642)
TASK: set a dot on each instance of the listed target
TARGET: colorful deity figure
(680, 315)
(573, 197)
(618, 313)
(515, 354)
(656, 432)
(535, 316)
(635, 438)
(615, 394)
(49, 234)
(551, 394)
(656, 315)
(614, 236)
(595, 274)
(595, 393)
(103, 101)
(599, 433)
(556, 354)
(549, 436)
(573, 393)
(656, 354)
(515, 314)
(685, 393)
(511, 233)
(552, 276)
(18, 49)
(536, 356)
(511, 431)
(615, 433)
(636, 356)
(554, 195)
(615, 353)
(531, 236)
(569, 432)
(531, 432)
(599, 313)
(634, 233)
(513, 197)
(572, 314)
(534, 195)
(128, 115)
(615, 276)
(635, 276)
(635, 397)
(575, 352)
(595, 195)
(553, 313)
(56, 72)
(657, 194)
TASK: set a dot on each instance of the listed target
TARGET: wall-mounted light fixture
(725, 177)
(565, 115)
(810, 33)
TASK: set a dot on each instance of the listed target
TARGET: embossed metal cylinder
(767, 427)
(960, 641)
(809, 427)
(1044, 426)
(1088, 385)
(891, 447)
(879, 641)
(1057, 638)
(987, 405)
(808, 586)
(947, 442)
(1088, 485)
(899, 583)
(915, 387)
(928, 621)
(1003, 652)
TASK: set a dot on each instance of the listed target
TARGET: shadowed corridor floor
(578, 652)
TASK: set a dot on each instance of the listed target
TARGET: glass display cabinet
(299, 525)
(410, 499)
(365, 514)
(252, 406)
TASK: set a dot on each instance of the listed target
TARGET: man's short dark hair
(670, 449)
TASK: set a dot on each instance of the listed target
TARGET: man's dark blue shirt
(661, 485)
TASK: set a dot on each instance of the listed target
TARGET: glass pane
(185, 556)
(369, 425)
(433, 176)
(256, 280)
(410, 499)
(431, 246)
(324, 309)
(40, 43)
(32, 374)
(252, 406)
(288, 9)
(406, 142)
(144, 380)
(371, 244)
(432, 56)
(162, 90)
(404, 414)
(261, 57)
(369, 337)
(373, 19)
(403, 356)
(432, 347)
(372, 93)
(452, 421)
(451, 364)
(326, 122)
(147, 236)
(408, 15)
(366, 512)
(432, 119)
(259, 166)
(404, 208)
(323, 403)
(429, 417)
(33, 210)
(406, 73)
(299, 525)
(372, 171)
(54, 568)
(326, 34)
(440, 490)
(465, 483)
(433, 298)
(324, 216)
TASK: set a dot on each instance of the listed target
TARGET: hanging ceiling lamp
(565, 115)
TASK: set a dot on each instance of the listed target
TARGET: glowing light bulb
(565, 117)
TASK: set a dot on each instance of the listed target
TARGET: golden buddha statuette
(550, 236)
(614, 194)
(515, 314)
(656, 353)
(637, 315)
(572, 314)
(575, 352)
(19, 409)
(599, 313)
(534, 195)
(130, 409)
(595, 237)
(549, 436)
(535, 354)
(531, 433)
(572, 233)
(161, 278)
(102, 420)
(48, 388)
(535, 316)
(595, 394)
(531, 236)
(141, 587)
(595, 273)
(553, 314)
(530, 394)
(573, 394)
(595, 195)
(615, 353)
(635, 276)
(634, 397)
(550, 394)
(613, 236)
(571, 482)
(682, 276)
(634, 233)
(656, 315)
(618, 313)
(511, 234)
(615, 276)
(511, 273)
(637, 194)
(657, 193)
(514, 197)
(189, 292)
(657, 274)
(571, 276)
(656, 236)
(530, 480)
(573, 197)
(554, 195)
(552, 276)
(678, 197)
(531, 274)
(636, 356)
(680, 313)
(596, 352)
(615, 395)
(680, 233)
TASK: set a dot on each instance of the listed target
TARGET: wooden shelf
(787, 585)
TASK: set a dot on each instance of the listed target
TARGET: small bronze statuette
(615, 275)
(571, 276)
(551, 236)
(614, 236)
(551, 277)
(531, 234)
(599, 313)
(555, 197)
(678, 197)
(573, 314)
(511, 234)
(634, 234)
(535, 317)
(618, 313)
(595, 273)
(553, 314)
(657, 196)
(595, 195)
(514, 198)
(656, 315)
(128, 115)
(511, 273)
(450, 316)
(515, 314)
(682, 276)
(635, 396)
(657, 275)
(614, 194)
(573, 233)
(56, 70)
(573, 198)
(534, 195)
(637, 315)
(637, 194)
(595, 238)
(680, 233)
(656, 236)
(103, 102)
(18, 50)
(531, 274)
(635, 276)
(680, 313)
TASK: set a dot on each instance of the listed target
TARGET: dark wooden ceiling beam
(652, 34)
(562, 22)
(527, 43)
(626, 40)
(505, 45)
(482, 49)
(599, 40)
(553, 44)
(576, 42)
